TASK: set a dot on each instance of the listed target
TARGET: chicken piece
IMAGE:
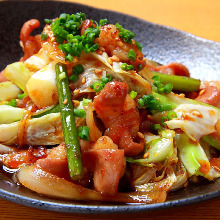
(55, 162)
(109, 40)
(31, 44)
(171, 69)
(210, 93)
(109, 103)
(107, 164)
(120, 116)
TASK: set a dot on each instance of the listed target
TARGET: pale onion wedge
(37, 61)
(9, 114)
(41, 87)
(45, 183)
(19, 74)
(8, 91)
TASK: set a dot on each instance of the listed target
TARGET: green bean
(180, 83)
(74, 157)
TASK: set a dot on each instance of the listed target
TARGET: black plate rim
(109, 209)
(102, 209)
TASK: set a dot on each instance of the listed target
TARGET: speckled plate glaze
(162, 44)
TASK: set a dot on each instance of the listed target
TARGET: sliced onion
(95, 133)
(48, 184)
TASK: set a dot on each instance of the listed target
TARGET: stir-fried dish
(85, 116)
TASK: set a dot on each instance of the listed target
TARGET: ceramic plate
(161, 44)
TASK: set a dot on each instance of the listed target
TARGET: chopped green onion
(133, 94)
(12, 102)
(131, 55)
(85, 102)
(48, 21)
(167, 88)
(83, 132)
(78, 69)
(163, 119)
(67, 29)
(106, 79)
(80, 113)
(44, 36)
(171, 115)
(21, 96)
(125, 66)
(97, 86)
(73, 77)
(151, 103)
(103, 22)
(69, 58)
(125, 34)
(139, 46)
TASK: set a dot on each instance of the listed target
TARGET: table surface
(199, 17)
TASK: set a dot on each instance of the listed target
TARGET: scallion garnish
(161, 88)
(125, 34)
(150, 103)
(76, 70)
(80, 113)
(48, 21)
(106, 79)
(133, 94)
(163, 119)
(139, 46)
(12, 102)
(21, 96)
(103, 22)
(83, 132)
(44, 36)
(171, 115)
(85, 102)
(66, 30)
(125, 66)
(131, 55)
(99, 85)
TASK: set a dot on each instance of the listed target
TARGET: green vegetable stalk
(74, 157)
(175, 101)
(156, 151)
(192, 155)
(180, 83)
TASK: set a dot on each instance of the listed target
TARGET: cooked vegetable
(94, 119)
(8, 90)
(160, 87)
(9, 114)
(192, 155)
(41, 87)
(19, 74)
(45, 130)
(212, 141)
(180, 83)
(156, 151)
(68, 124)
